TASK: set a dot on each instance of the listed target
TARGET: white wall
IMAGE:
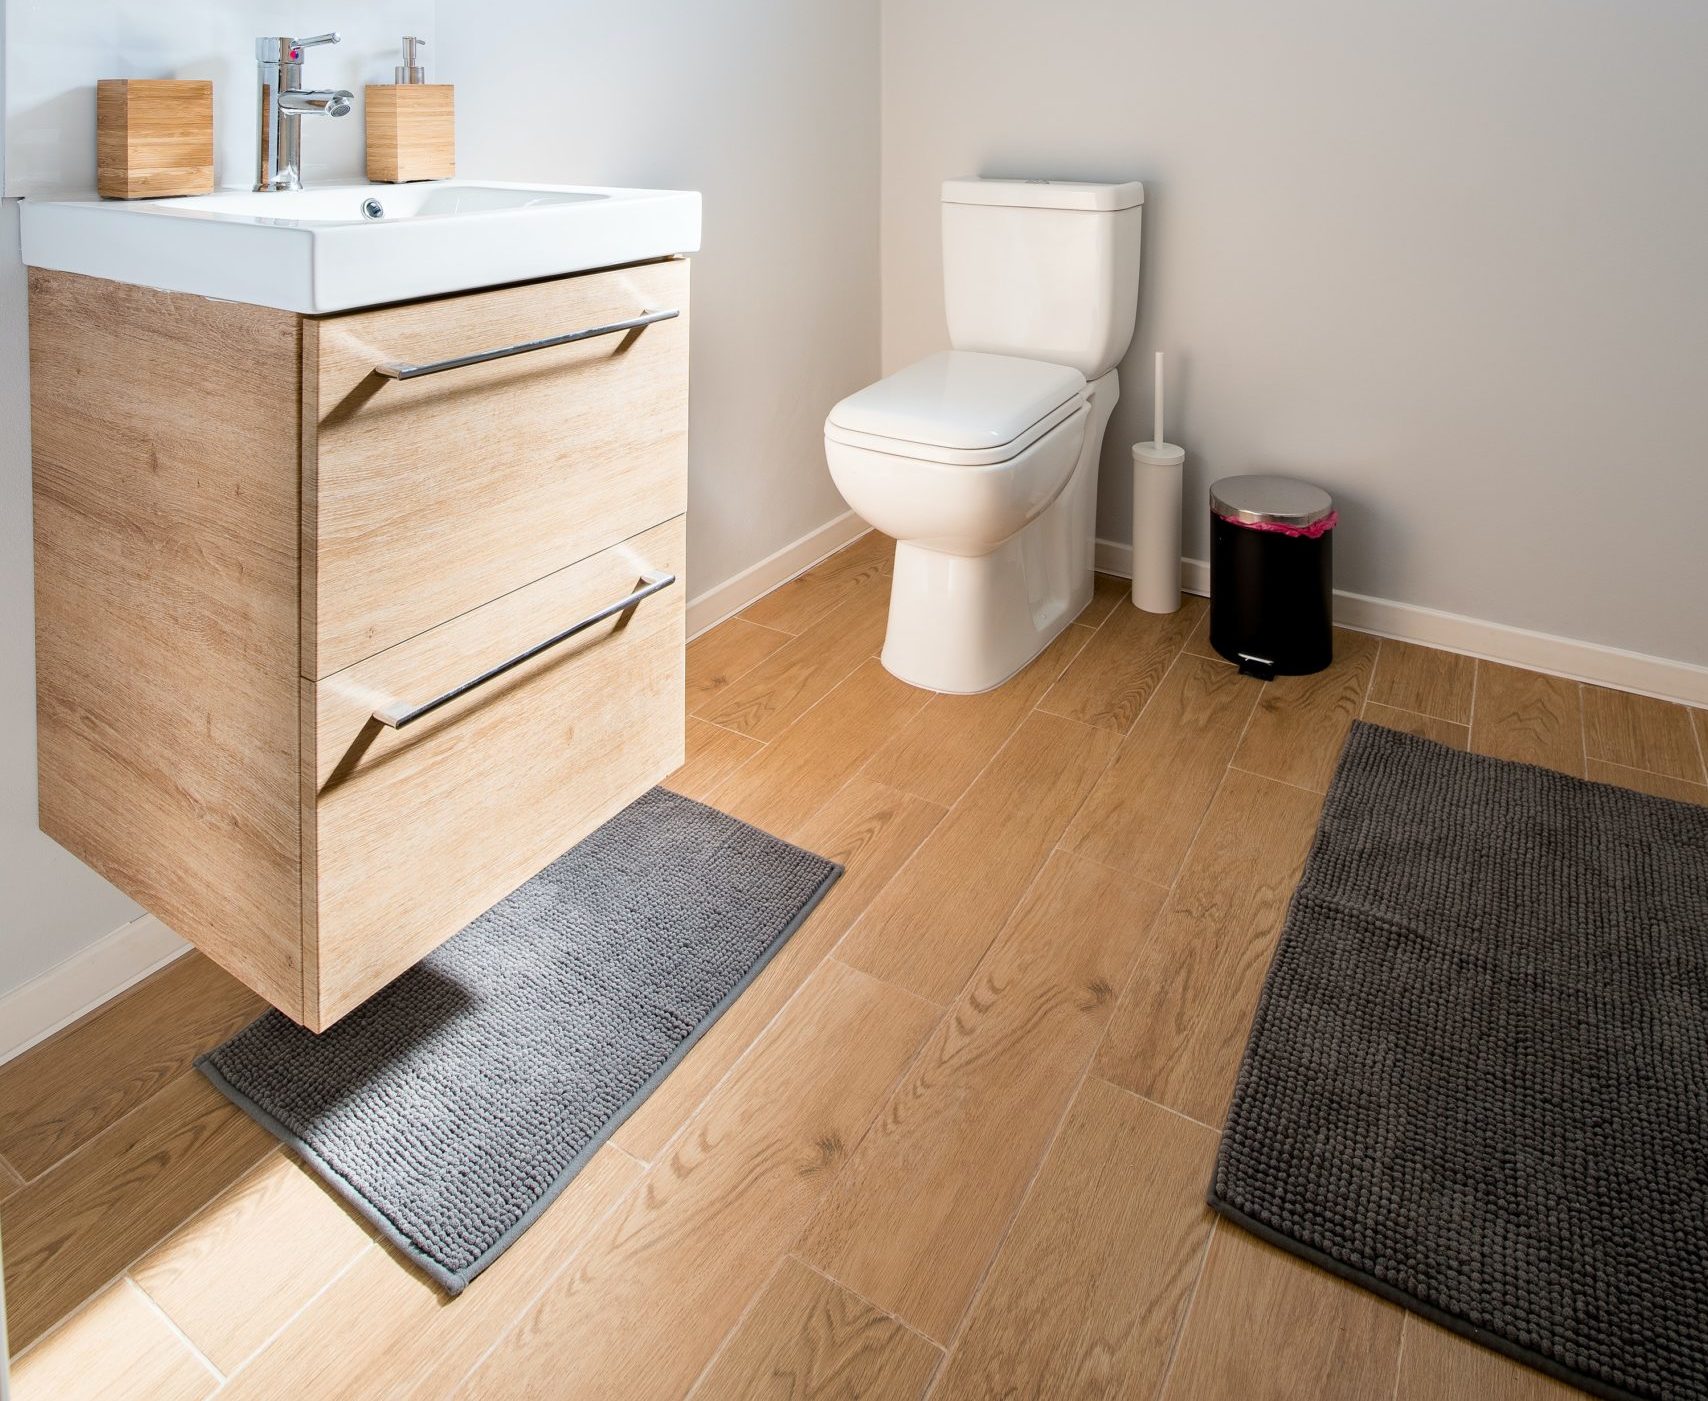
(58, 49)
(1445, 257)
(770, 109)
(51, 904)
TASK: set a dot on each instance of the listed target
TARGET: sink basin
(343, 246)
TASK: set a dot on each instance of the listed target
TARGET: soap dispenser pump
(411, 123)
(410, 71)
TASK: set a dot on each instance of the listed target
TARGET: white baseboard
(709, 609)
(1599, 665)
(35, 1010)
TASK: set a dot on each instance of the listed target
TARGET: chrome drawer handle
(401, 713)
(480, 357)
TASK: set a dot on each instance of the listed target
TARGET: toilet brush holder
(1158, 470)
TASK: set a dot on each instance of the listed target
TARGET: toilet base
(963, 624)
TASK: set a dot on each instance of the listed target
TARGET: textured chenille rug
(1477, 1081)
(457, 1102)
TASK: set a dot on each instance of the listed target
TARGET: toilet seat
(959, 407)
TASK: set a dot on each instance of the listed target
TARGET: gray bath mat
(1477, 1082)
(452, 1106)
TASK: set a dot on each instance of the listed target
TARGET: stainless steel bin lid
(1265, 500)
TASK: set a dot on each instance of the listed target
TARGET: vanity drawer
(425, 497)
(409, 833)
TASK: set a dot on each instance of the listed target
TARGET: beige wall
(1445, 257)
(770, 109)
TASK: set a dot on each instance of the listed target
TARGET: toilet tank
(1045, 269)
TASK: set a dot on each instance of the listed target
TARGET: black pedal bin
(1271, 592)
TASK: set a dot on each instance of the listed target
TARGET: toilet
(981, 461)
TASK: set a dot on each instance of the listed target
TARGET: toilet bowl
(981, 462)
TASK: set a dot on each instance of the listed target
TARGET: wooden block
(153, 137)
(412, 132)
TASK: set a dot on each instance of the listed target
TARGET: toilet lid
(959, 406)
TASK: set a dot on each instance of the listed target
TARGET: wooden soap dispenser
(411, 124)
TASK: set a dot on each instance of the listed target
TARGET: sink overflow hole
(372, 209)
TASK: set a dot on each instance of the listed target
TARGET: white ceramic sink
(329, 249)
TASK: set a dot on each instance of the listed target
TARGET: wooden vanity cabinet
(250, 542)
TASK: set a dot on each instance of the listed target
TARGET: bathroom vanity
(349, 620)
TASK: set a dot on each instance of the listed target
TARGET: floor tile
(713, 754)
(930, 926)
(1302, 722)
(1528, 717)
(804, 600)
(871, 831)
(1180, 1028)
(779, 690)
(1092, 1283)
(918, 1212)
(1121, 666)
(1146, 809)
(1266, 1325)
(808, 1336)
(1424, 680)
(234, 1275)
(1427, 726)
(726, 653)
(780, 789)
(1657, 784)
(74, 1228)
(1640, 733)
(1435, 1363)
(948, 743)
(383, 1329)
(117, 1349)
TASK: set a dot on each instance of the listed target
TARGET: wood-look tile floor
(954, 1140)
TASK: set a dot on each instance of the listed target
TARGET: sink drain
(372, 209)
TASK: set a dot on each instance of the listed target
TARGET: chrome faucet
(282, 105)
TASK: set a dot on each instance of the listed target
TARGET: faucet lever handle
(314, 42)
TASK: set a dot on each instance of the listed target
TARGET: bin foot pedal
(1260, 667)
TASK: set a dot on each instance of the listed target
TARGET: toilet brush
(1158, 467)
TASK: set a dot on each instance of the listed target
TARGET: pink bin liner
(1314, 531)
